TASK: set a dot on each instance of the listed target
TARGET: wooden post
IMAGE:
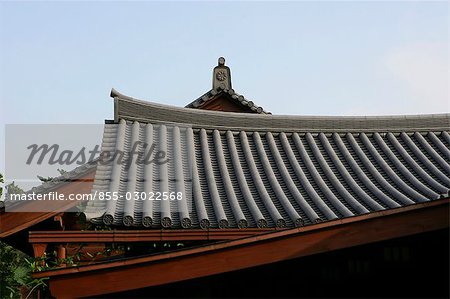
(39, 251)
(61, 254)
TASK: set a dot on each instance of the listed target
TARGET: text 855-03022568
(165, 195)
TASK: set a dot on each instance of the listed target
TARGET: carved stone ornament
(221, 75)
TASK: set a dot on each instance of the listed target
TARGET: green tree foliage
(13, 270)
(15, 266)
(12, 265)
(15, 273)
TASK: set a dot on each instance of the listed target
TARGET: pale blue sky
(58, 61)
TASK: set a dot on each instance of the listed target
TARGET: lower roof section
(128, 274)
(20, 218)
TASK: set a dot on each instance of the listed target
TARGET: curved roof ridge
(130, 108)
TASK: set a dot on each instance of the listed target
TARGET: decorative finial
(221, 76)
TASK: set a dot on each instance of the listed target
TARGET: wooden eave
(134, 273)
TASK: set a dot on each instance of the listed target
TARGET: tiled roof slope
(297, 171)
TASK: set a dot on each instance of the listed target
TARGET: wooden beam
(13, 222)
(128, 274)
(115, 236)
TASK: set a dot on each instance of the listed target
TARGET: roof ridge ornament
(221, 76)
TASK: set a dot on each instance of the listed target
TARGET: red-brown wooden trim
(225, 103)
(109, 277)
(142, 235)
(13, 222)
(39, 249)
(61, 254)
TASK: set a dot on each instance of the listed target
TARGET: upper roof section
(222, 96)
(128, 108)
(240, 170)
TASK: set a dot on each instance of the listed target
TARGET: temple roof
(250, 170)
